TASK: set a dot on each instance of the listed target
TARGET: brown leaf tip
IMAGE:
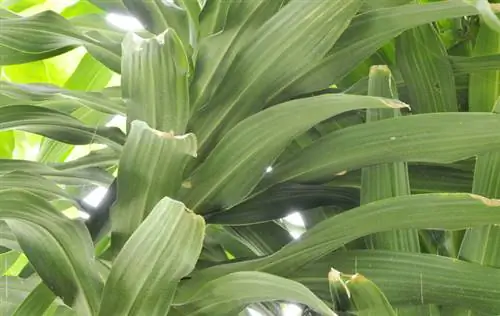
(486, 201)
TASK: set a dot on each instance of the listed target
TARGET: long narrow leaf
(174, 237)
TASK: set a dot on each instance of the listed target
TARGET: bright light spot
(83, 215)
(127, 23)
(295, 234)
(119, 121)
(95, 197)
(269, 169)
(292, 310)
(253, 312)
(295, 219)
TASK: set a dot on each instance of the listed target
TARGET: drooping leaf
(61, 99)
(37, 301)
(49, 35)
(151, 167)
(222, 181)
(365, 35)
(412, 279)
(52, 242)
(429, 138)
(443, 211)
(229, 294)
(58, 126)
(174, 237)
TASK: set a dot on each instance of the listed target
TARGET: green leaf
(7, 144)
(464, 65)
(489, 17)
(13, 290)
(49, 35)
(52, 242)
(69, 177)
(232, 25)
(61, 99)
(82, 7)
(222, 181)
(229, 294)
(58, 126)
(160, 97)
(250, 79)
(32, 183)
(387, 180)
(444, 211)
(151, 167)
(412, 279)
(214, 15)
(479, 244)
(365, 35)
(432, 88)
(37, 301)
(158, 16)
(417, 138)
(281, 200)
(174, 237)
(89, 75)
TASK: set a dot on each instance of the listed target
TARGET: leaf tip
(486, 201)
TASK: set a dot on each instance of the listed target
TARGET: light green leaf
(464, 65)
(174, 237)
(229, 294)
(368, 299)
(489, 17)
(417, 138)
(155, 81)
(37, 301)
(81, 7)
(89, 75)
(7, 144)
(53, 242)
(151, 167)
(222, 181)
(250, 79)
(58, 126)
(13, 290)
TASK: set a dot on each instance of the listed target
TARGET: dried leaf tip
(395, 104)
(486, 201)
(380, 68)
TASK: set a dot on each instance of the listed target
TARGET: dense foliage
(373, 122)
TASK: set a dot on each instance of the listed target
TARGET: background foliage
(272, 157)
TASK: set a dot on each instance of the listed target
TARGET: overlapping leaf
(151, 167)
(174, 237)
(53, 242)
(417, 138)
(223, 181)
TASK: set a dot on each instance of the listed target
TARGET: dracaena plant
(357, 114)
